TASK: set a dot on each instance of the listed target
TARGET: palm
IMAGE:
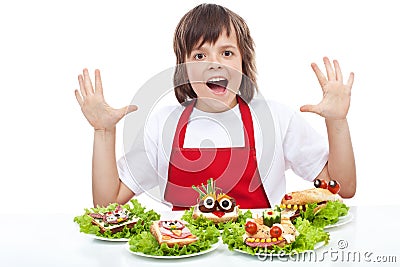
(99, 114)
(335, 102)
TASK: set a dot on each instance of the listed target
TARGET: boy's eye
(199, 56)
(228, 53)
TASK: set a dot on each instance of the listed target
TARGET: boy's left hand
(335, 102)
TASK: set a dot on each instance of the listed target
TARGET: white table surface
(55, 240)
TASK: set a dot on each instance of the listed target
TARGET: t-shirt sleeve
(137, 169)
(306, 151)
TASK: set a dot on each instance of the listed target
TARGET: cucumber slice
(271, 216)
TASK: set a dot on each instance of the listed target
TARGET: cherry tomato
(324, 185)
(251, 227)
(275, 231)
(333, 186)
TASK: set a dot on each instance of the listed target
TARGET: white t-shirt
(283, 139)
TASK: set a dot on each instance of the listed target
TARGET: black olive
(317, 183)
(225, 203)
(332, 183)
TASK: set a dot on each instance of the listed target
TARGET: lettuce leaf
(202, 222)
(135, 209)
(325, 216)
(146, 243)
(309, 236)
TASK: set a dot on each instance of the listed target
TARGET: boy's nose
(213, 65)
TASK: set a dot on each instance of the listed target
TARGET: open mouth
(217, 85)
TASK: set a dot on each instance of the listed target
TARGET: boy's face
(215, 73)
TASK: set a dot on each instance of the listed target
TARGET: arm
(106, 185)
(334, 108)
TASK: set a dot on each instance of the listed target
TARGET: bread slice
(166, 236)
(308, 196)
(227, 216)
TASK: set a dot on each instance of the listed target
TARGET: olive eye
(332, 183)
(317, 183)
(209, 202)
(320, 183)
(225, 204)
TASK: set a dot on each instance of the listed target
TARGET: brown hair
(206, 22)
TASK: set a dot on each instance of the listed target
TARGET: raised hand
(99, 114)
(335, 101)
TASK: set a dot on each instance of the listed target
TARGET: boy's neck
(211, 106)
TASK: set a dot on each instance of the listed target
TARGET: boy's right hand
(99, 114)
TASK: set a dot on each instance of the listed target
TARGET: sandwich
(114, 221)
(172, 232)
(321, 194)
(214, 205)
(322, 201)
(269, 230)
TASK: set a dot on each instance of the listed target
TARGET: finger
(311, 108)
(78, 97)
(81, 86)
(98, 83)
(350, 80)
(87, 82)
(320, 76)
(130, 108)
(329, 70)
(126, 110)
(339, 76)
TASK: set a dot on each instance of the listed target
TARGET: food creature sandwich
(172, 232)
(115, 220)
(323, 200)
(321, 194)
(269, 230)
(215, 206)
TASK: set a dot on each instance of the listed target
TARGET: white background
(46, 143)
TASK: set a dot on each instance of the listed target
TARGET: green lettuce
(309, 236)
(146, 243)
(325, 216)
(135, 209)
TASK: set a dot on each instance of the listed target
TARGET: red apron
(234, 168)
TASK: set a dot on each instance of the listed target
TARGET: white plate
(317, 246)
(342, 221)
(106, 238)
(213, 247)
